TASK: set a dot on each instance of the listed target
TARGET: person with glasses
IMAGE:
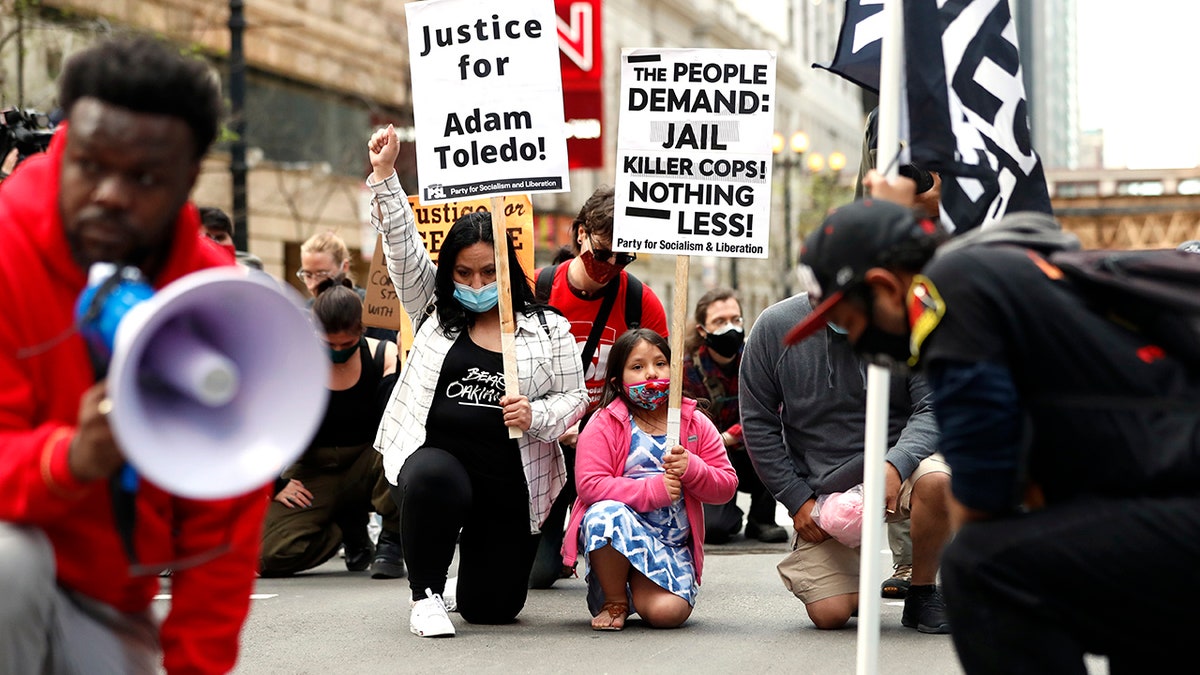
(598, 296)
(457, 474)
(712, 356)
(326, 256)
(114, 186)
(323, 256)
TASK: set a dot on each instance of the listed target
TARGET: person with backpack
(1073, 438)
(601, 300)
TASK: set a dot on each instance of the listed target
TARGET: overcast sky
(1137, 80)
(1137, 65)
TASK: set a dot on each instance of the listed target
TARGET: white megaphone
(217, 382)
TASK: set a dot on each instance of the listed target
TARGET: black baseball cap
(851, 240)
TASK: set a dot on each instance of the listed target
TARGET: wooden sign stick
(679, 312)
(508, 327)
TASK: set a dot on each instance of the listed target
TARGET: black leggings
(439, 496)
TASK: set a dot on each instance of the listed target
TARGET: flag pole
(891, 72)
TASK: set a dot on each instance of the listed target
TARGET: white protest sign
(487, 98)
(694, 152)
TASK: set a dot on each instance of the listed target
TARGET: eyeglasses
(737, 322)
(603, 254)
(305, 275)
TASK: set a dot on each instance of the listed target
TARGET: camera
(921, 177)
(29, 131)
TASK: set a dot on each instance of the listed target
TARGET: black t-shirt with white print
(466, 418)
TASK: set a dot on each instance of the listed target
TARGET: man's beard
(133, 249)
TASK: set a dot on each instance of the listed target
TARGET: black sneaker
(769, 533)
(925, 610)
(389, 557)
(356, 542)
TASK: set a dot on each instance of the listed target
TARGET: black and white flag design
(967, 112)
(859, 44)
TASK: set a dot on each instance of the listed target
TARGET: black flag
(968, 116)
(858, 48)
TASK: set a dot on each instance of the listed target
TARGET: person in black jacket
(1074, 441)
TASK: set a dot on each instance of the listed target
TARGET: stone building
(321, 74)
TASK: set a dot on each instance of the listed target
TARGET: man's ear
(886, 284)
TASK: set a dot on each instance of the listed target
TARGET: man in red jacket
(113, 187)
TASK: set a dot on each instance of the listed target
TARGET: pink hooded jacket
(600, 467)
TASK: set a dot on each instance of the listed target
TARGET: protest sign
(382, 308)
(694, 152)
(487, 98)
(434, 222)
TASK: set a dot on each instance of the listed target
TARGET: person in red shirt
(112, 187)
(578, 290)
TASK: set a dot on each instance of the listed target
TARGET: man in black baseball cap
(1059, 427)
(864, 254)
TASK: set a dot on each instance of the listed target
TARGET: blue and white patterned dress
(655, 542)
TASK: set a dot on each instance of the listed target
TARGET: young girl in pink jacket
(639, 517)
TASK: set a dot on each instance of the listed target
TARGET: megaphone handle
(128, 479)
(123, 490)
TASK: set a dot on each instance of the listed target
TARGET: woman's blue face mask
(477, 300)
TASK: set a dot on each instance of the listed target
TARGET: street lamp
(837, 162)
(798, 145)
(237, 101)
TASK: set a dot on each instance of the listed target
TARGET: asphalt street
(329, 620)
(334, 621)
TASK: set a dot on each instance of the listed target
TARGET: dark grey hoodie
(804, 410)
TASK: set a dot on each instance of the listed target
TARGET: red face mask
(600, 272)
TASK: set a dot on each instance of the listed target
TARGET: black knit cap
(851, 240)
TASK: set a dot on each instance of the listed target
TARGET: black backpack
(633, 293)
(1154, 292)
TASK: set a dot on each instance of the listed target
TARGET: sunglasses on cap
(603, 255)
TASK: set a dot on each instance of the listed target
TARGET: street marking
(253, 596)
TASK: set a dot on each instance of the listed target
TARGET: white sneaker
(429, 618)
(450, 595)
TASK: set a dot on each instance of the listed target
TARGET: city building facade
(321, 74)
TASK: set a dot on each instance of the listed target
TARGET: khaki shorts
(815, 572)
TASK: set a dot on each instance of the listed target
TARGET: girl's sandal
(616, 611)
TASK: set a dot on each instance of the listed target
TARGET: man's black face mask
(881, 347)
(877, 345)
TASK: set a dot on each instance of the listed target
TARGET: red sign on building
(581, 56)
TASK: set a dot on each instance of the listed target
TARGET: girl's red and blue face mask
(649, 394)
